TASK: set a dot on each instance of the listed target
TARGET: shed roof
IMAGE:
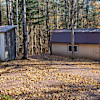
(4, 29)
(86, 37)
(77, 30)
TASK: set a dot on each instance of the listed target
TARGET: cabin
(87, 43)
(7, 43)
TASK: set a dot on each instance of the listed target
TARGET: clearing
(50, 77)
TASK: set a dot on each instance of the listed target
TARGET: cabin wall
(2, 47)
(84, 50)
(8, 45)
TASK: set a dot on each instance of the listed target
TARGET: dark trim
(76, 30)
(75, 43)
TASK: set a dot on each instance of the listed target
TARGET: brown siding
(84, 50)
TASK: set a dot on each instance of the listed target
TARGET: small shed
(7, 43)
(87, 43)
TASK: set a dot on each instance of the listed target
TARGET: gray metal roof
(4, 29)
(77, 30)
(80, 37)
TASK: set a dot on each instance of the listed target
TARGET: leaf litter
(41, 78)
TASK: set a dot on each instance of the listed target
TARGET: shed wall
(84, 50)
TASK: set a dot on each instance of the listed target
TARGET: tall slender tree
(24, 29)
(87, 13)
(17, 26)
(57, 2)
(0, 14)
(10, 12)
(72, 27)
(69, 15)
(40, 42)
(66, 13)
(77, 14)
(7, 11)
(13, 15)
(47, 24)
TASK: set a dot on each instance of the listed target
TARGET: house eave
(75, 43)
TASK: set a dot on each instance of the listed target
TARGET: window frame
(71, 46)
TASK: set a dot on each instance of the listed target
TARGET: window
(75, 48)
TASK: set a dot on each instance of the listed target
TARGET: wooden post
(2, 46)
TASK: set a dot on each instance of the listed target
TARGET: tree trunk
(32, 38)
(72, 27)
(10, 12)
(66, 13)
(69, 23)
(57, 15)
(0, 14)
(47, 25)
(13, 15)
(87, 10)
(17, 27)
(54, 14)
(78, 13)
(83, 14)
(35, 42)
(7, 11)
(40, 41)
(24, 29)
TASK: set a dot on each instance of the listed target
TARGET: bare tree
(0, 14)
(13, 15)
(77, 13)
(7, 11)
(87, 11)
(17, 27)
(66, 13)
(69, 8)
(32, 37)
(47, 24)
(10, 12)
(40, 41)
(35, 39)
(72, 27)
(24, 29)
(57, 1)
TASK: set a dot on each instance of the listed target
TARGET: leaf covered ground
(50, 77)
